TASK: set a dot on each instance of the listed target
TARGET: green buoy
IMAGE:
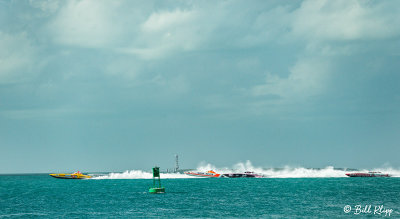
(159, 189)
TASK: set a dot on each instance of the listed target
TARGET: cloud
(122, 27)
(17, 57)
(50, 6)
(84, 23)
(165, 32)
(346, 20)
(153, 33)
(98, 24)
(327, 30)
(270, 26)
(165, 21)
(126, 41)
(307, 78)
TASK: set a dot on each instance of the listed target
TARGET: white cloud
(154, 51)
(168, 20)
(268, 26)
(168, 32)
(109, 25)
(346, 20)
(149, 33)
(307, 78)
(96, 24)
(318, 24)
(82, 23)
(46, 5)
(16, 57)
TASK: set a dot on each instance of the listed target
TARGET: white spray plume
(286, 172)
(139, 174)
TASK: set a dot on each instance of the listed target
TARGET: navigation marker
(159, 189)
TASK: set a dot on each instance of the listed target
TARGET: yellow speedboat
(76, 175)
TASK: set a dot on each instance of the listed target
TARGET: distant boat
(209, 174)
(242, 175)
(369, 174)
(76, 175)
(212, 174)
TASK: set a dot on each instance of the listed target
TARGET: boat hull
(69, 176)
(209, 174)
(212, 174)
(241, 175)
(367, 175)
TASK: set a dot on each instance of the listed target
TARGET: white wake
(285, 172)
(139, 174)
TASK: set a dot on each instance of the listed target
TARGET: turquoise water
(43, 196)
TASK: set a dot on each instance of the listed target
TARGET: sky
(118, 85)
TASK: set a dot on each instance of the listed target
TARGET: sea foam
(139, 174)
(285, 172)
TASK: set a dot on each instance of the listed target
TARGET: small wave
(23, 214)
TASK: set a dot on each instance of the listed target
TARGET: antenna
(176, 163)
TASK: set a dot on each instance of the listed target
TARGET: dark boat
(369, 174)
(242, 175)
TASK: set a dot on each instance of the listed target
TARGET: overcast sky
(120, 85)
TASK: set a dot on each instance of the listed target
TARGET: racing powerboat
(369, 174)
(76, 175)
(212, 174)
(209, 174)
(242, 175)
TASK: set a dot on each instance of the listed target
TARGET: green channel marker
(159, 189)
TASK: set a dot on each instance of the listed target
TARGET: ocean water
(41, 196)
